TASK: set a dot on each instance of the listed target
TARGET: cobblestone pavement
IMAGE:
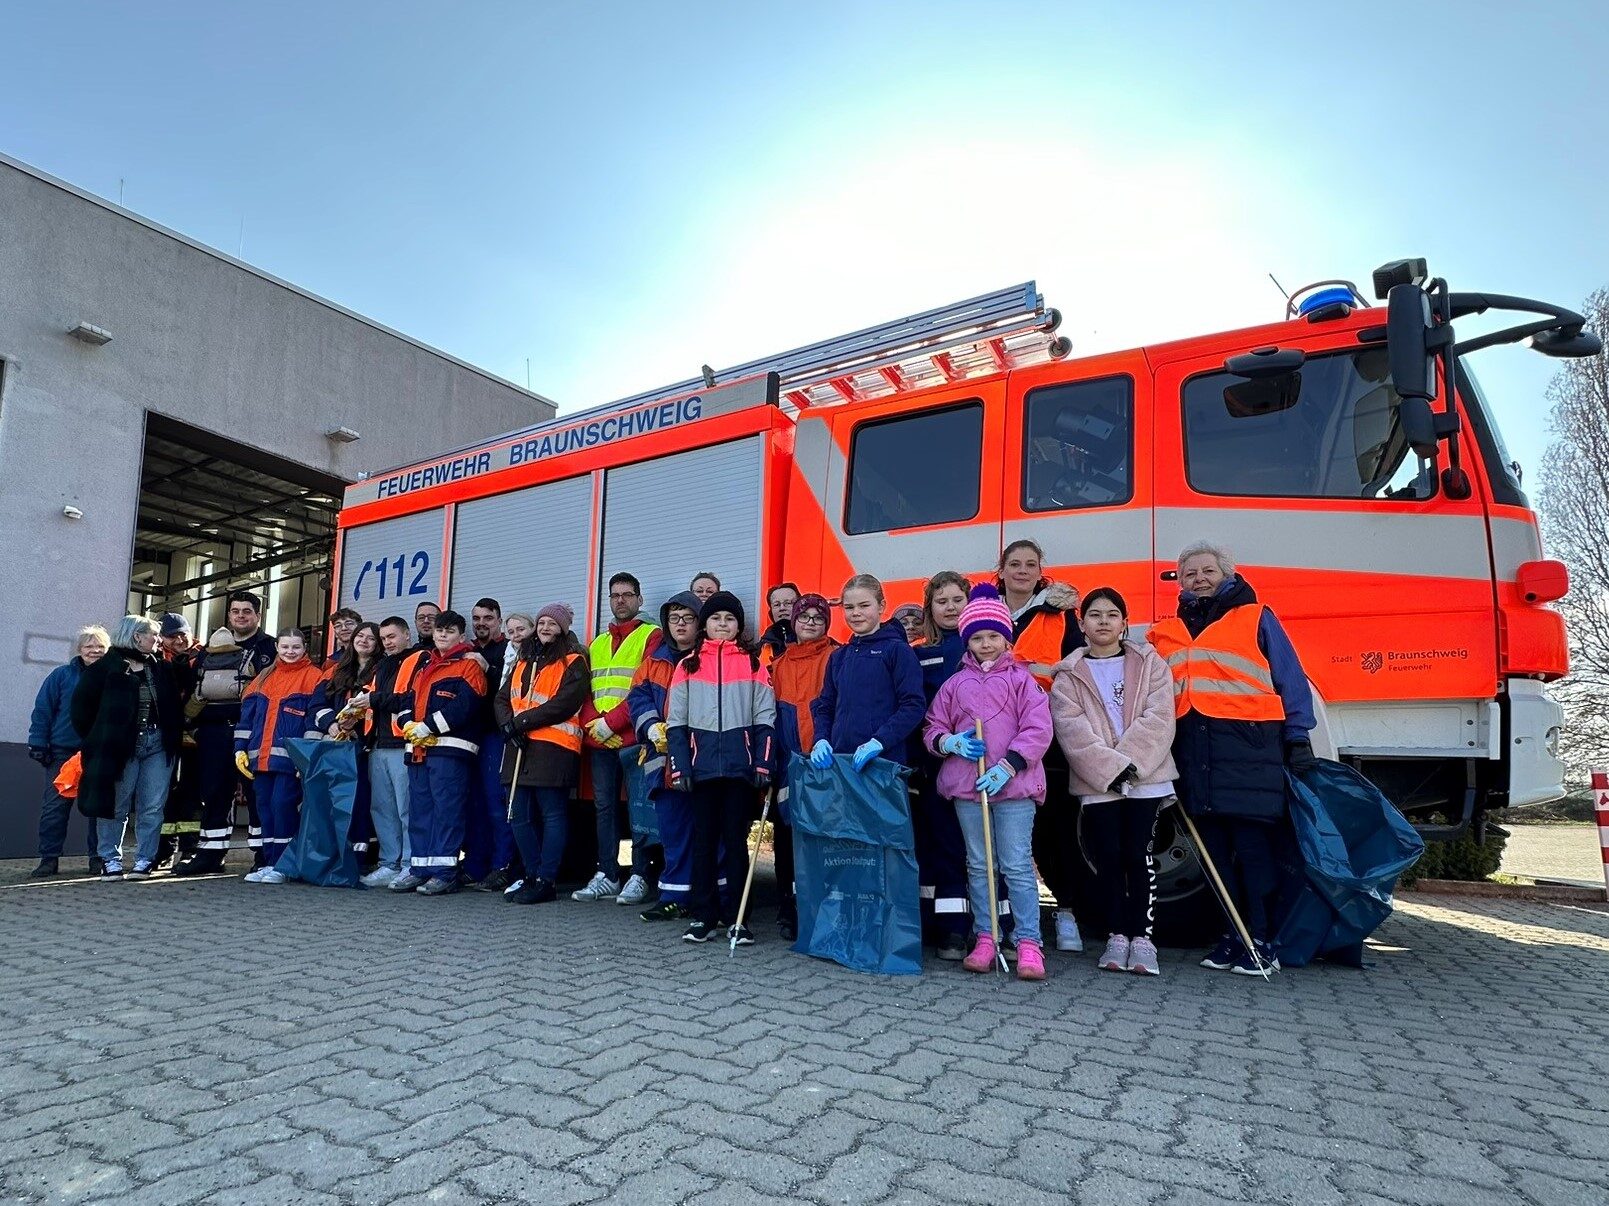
(180, 1041)
(1560, 851)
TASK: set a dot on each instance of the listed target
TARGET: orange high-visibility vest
(525, 694)
(404, 681)
(1222, 673)
(1040, 645)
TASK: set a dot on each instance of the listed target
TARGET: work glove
(963, 745)
(821, 754)
(762, 777)
(243, 764)
(994, 780)
(511, 730)
(40, 754)
(866, 753)
(1299, 756)
(656, 735)
(416, 733)
(1126, 780)
(600, 732)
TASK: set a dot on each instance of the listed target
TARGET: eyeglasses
(622, 596)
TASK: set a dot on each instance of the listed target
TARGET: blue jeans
(388, 806)
(143, 786)
(541, 847)
(1013, 824)
(55, 811)
(606, 774)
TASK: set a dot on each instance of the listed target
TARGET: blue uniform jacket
(51, 726)
(449, 699)
(873, 690)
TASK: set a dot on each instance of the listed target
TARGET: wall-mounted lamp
(72, 512)
(89, 333)
(342, 435)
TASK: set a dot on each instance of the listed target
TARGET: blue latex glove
(866, 753)
(821, 754)
(963, 745)
(994, 779)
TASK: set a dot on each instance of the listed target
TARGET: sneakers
(982, 957)
(514, 887)
(1247, 966)
(1067, 936)
(380, 877)
(699, 931)
(1116, 955)
(46, 868)
(1030, 960)
(1222, 957)
(665, 910)
(264, 875)
(637, 891)
(740, 935)
(1142, 958)
(441, 885)
(952, 948)
(140, 870)
(599, 887)
(532, 891)
(497, 881)
(406, 882)
(112, 869)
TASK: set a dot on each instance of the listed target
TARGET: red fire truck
(1375, 509)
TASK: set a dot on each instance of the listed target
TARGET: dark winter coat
(873, 690)
(104, 709)
(51, 726)
(1236, 768)
(544, 764)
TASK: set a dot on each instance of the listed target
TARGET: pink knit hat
(985, 612)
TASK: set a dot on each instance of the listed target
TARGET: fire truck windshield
(1503, 470)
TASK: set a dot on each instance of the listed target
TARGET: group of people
(474, 737)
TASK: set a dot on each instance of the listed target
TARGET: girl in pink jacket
(991, 685)
(1112, 703)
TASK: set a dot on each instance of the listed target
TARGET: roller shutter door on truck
(667, 519)
(525, 548)
(390, 567)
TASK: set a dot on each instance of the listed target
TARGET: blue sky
(620, 192)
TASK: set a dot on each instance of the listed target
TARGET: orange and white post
(1600, 805)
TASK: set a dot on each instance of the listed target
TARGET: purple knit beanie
(560, 613)
(985, 612)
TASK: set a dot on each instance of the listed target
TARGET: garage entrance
(216, 515)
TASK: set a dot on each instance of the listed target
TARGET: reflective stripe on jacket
(613, 668)
(527, 691)
(276, 708)
(1223, 673)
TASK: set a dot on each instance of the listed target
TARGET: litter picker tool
(988, 858)
(514, 783)
(748, 880)
(1223, 892)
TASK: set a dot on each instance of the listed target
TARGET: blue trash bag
(1352, 843)
(320, 853)
(855, 866)
(640, 810)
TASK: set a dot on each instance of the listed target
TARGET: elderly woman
(127, 710)
(52, 740)
(1244, 712)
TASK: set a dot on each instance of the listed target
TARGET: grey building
(174, 424)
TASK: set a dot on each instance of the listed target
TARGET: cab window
(914, 470)
(1079, 441)
(1329, 430)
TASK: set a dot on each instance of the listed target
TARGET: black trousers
(219, 779)
(1118, 835)
(723, 810)
(1243, 851)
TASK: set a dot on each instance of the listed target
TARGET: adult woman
(52, 740)
(1043, 617)
(349, 681)
(539, 710)
(1245, 710)
(127, 710)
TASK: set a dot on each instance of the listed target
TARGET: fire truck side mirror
(1418, 427)
(1408, 342)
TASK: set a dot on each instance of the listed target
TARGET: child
(276, 707)
(941, 854)
(1112, 703)
(993, 686)
(720, 717)
(442, 722)
(797, 677)
(871, 701)
(539, 710)
(678, 620)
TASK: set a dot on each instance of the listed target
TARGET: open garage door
(216, 515)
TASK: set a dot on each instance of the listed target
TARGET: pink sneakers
(1116, 955)
(1142, 958)
(1030, 960)
(982, 957)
